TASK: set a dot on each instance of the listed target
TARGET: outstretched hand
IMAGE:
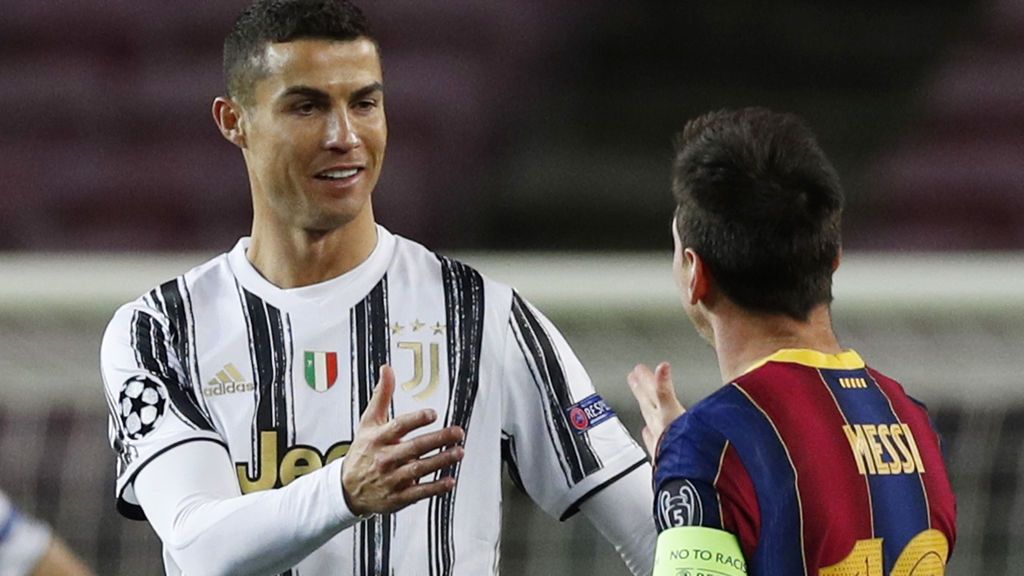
(382, 472)
(656, 396)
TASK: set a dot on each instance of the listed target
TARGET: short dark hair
(761, 204)
(270, 21)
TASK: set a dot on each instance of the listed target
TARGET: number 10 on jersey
(924, 555)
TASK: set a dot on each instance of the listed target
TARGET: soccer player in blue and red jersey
(814, 462)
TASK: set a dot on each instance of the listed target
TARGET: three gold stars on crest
(417, 325)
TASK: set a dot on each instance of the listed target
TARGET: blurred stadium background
(533, 138)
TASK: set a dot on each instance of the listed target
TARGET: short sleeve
(561, 440)
(152, 403)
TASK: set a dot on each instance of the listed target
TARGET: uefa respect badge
(698, 551)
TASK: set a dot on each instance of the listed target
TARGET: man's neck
(743, 338)
(292, 258)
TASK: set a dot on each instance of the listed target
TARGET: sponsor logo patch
(589, 412)
(679, 504)
(142, 404)
(227, 381)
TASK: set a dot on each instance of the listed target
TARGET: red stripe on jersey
(741, 513)
(332, 368)
(834, 499)
(941, 500)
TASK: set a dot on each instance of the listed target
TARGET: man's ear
(839, 256)
(699, 286)
(228, 115)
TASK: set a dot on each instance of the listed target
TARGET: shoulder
(414, 259)
(706, 427)
(696, 426)
(163, 303)
(905, 405)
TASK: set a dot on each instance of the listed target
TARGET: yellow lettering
(906, 458)
(879, 467)
(337, 451)
(913, 448)
(295, 462)
(858, 445)
(894, 467)
(267, 478)
(298, 461)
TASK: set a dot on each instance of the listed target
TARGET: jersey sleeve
(561, 440)
(152, 403)
(699, 480)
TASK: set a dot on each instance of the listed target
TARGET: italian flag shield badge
(321, 370)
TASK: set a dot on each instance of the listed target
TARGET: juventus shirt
(278, 378)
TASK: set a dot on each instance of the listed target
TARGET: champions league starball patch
(679, 504)
(589, 412)
(143, 402)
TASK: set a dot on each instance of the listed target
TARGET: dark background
(534, 124)
(540, 125)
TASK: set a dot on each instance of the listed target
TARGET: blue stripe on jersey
(690, 450)
(898, 502)
(764, 455)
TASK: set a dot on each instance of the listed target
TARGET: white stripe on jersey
(459, 343)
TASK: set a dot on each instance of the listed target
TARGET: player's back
(820, 465)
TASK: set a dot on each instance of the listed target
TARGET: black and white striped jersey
(280, 377)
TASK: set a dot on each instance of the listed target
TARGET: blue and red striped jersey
(819, 465)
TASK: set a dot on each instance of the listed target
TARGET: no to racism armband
(695, 550)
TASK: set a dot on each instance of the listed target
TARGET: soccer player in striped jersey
(815, 462)
(243, 408)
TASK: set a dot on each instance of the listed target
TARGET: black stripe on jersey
(176, 304)
(464, 314)
(371, 349)
(271, 358)
(575, 506)
(150, 344)
(576, 449)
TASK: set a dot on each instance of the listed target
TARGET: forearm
(193, 502)
(622, 513)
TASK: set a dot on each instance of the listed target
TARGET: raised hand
(381, 471)
(655, 394)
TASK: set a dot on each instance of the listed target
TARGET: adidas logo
(228, 381)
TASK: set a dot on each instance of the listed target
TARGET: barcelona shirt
(819, 465)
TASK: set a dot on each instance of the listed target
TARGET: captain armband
(698, 550)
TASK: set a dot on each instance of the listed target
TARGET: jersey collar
(846, 360)
(350, 286)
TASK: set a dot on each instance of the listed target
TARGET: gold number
(864, 560)
(924, 555)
